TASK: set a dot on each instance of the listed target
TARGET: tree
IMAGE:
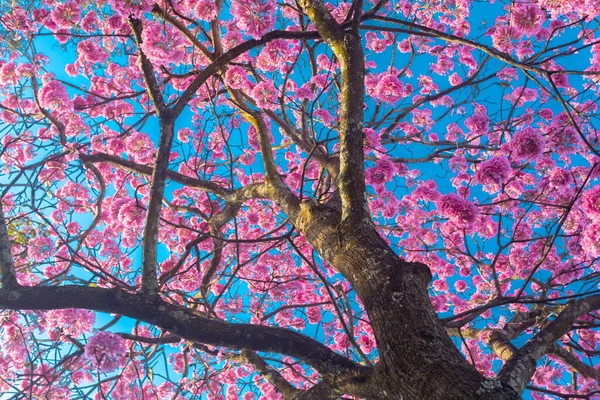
(300, 200)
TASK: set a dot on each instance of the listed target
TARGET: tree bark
(418, 359)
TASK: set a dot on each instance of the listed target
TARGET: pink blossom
(140, 147)
(54, 96)
(106, 351)
(71, 322)
(493, 171)
(265, 94)
(455, 79)
(376, 44)
(66, 15)
(90, 22)
(591, 203)
(460, 285)
(527, 18)
(252, 218)
(560, 177)
(236, 77)
(91, 51)
(131, 214)
(8, 73)
(527, 144)
(40, 248)
(304, 93)
(590, 239)
(275, 55)
(460, 211)
(131, 7)
(389, 89)
(478, 123)
(162, 43)
(502, 38)
(205, 10)
(382, 172)
(256, 17)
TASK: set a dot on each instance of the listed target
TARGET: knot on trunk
(419, 271)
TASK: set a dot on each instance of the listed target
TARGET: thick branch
(270, 374)
(7, 266)
(219, 63)
(276, 188)
(252, 191)
(152, 87)
(347, 47)
(150, 238)
(183, 323)
(520, 368)
(585, 370)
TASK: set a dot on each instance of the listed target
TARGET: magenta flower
(265, 95)
(131, 215)
(106, 351)
(66, 15)
(70, 321)
(527, 144)
(478, 123)
(54, 96)
(502, 38)
(206, 10)
(493, 171)
(591, 203)
(389, 89)
(458, 210)
(256, 17)
(590, 240)
(40, 248)
(527, 18)
(236, 77)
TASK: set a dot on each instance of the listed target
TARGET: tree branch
(185, 324)
(219, 63)
(270, 374)
(152, 87)
(587, 371)
(7, 266)
(252, 191)
(347, 46)
(521, 366)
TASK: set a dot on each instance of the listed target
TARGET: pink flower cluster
(106, 351)
(131, 7)
(591, 203)
(162, 43)
(389, 89)
(265, 94)
(255, 17)
(131, 214)
(237, 77)
(493, 172)
(590, 239)
(459, 210)
(478, 123)
(66, 15)
(53, 95)
(527, 144)
(40, 248)
(205, 10)
(383, 172)
(527, 18)
(70, 321)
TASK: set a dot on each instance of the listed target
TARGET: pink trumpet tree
(299, 199)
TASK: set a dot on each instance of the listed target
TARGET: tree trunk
(418, 360)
